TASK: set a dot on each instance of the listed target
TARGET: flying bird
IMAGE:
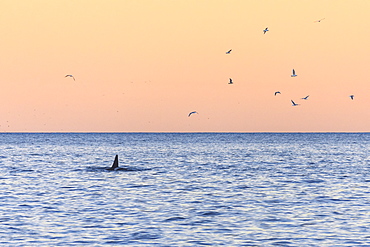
(230, 81)
(277, 92)
(70, 76)
(192, 113)
(306, 98)
(352, 96)
(293, 74)
(320, 20)
(294, 104)
(229, 51)
(265, 30)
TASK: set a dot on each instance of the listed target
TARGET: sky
(144, 65)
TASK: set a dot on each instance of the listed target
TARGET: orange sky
(143, 65)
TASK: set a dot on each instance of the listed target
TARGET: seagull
(306, 98)
(192, 113)
(320, 20)
(294, 104)
(229, 51)
(277, 92)
(70, 76)
(293, 75)
(265, 30)
(352, 96)
(231, 81)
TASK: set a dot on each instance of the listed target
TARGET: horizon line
(184, 132)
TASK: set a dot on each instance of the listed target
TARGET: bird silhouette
(193, 112)
(306, 98)
(320, 20)
(294, 104)
(71, 76)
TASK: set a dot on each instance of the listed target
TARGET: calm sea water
(199, 189)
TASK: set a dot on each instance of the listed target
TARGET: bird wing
(191, 113)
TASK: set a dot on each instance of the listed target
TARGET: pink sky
(143, 65)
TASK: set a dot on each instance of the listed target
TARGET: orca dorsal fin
(115, 163)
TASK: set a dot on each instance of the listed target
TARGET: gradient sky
(143, 65)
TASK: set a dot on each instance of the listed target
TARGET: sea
(185, 189)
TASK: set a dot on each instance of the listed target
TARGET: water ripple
(185, 190)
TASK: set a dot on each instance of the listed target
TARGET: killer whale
(115, 167)
(115, 164)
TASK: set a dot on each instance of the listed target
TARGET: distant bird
(277, 92)
(192, 113)
(294, 104)
(306, 98)
(70, 76)
(265, 30)
(320, 20)
(293, 74)
(352, 96)
(229, 51)
(230, 81)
